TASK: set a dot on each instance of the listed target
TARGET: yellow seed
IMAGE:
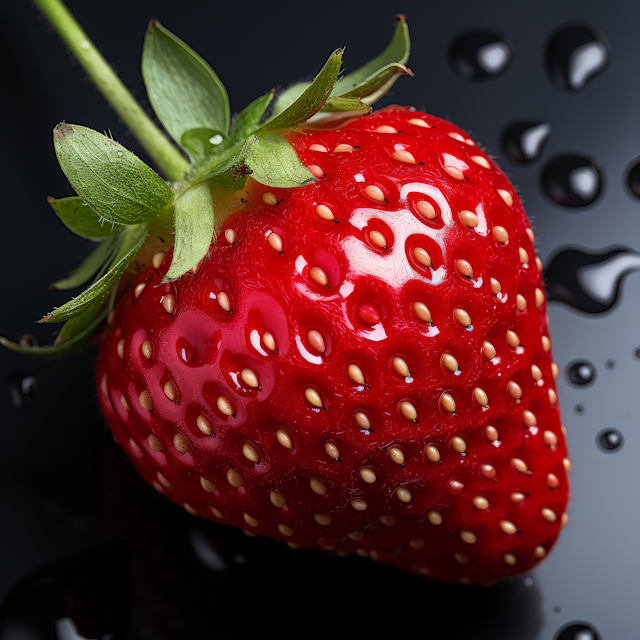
(510, 559)
(432, 453)
(426, 209)
(496, 287)
(385, 128)
(462, 317)
(120, 349)
(154, 443)
(359, 504)
(145, 401)
(284, 439)
(317, 486)
(313, 397)
(524, 256)
(462, 558)
(513, 340)
(269, 341)
(491, 433)
(318, 147)
(449, 362)
(401, 367)
(375, 193)
(419, 123)
(550, 438)
(275, 241)
(480, 503)
(181, 443)
(553, 396)
(515, 390)
(536, 372)
(404, 156)
(546, 343)
(500, 234)
(189, 509)
(422, 311)
(468, 537)
(417, 544)
(458, 444)
(224, 406)
(207, 485)
(469, 219)
(549, 515)
(324, 212)
(322, 519)
(377, 239)
(356, 536)
(482, 161)
(480, 396)
(422, 257)
(285, 530)
(169, 304)
(404, 495)
(204, 424)
(521, 303)
(539, 296)
(362, 420)
(506, 196)
(530, 234)
(447, 403)
(464, 268)
(408, 410)
(163, 480)
(269, 198)
(250, 520)
(332, 450)
(517, 497)
(488, 350)
(277, 499)
(539, 265)
(224, 301)
(316, 341)
(564, 520)
(355, 373)
(435, 518)
(368, 475)
(454, 172)
(318, 276)
(171, 390)
(539, 552)
(553, 481)
(249, 378)
(250, 452)
(396, 455)
(555, 371)
(139, 289)
(529, 419)
(216, 512)
(147, 349)
(519, 465)
(488, 471)
(508, 527)
(343, 148)
(158, 259)
(234, 478)
(230, 236)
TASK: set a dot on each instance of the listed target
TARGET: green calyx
(122, 203)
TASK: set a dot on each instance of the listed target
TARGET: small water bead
(572, 181)
(22, 389)
(575, 54)
(524, 140)
(578, 631)
(610, 440)
(581, 372)
(478, 55)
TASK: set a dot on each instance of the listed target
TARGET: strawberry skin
(360, 365)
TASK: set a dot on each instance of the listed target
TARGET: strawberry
(342, 341)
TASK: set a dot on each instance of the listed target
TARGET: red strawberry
(360, 365)
(360, 360)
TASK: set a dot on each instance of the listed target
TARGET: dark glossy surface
(65, 489)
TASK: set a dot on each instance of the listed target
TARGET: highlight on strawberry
(328, 327)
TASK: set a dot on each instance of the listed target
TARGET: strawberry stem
(162, 152)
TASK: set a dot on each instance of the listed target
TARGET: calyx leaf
(183, 89)
(274, 162)
(132, 239)
(194, 227)
(248, 120)
(201, 142)
(114, 182)
(80, 218)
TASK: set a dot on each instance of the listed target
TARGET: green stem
(162, 152)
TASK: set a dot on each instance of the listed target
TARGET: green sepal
(183, 89)
(274, 162)
(89, 266)
(114, 182)
(395, 53)
(132, 240)
(289, 96)
(248, 120)
(194, 228)
(199, 145)
(80, 218)
(377, 85)
(229, 181)
(312, 99)
(78, 324)
(339, 104)
(73, 343)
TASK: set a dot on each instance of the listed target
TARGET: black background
(64, 486)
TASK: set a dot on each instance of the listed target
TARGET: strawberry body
(331, 386)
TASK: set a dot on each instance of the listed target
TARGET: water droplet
(185, 350)
(573, 181)
(480, 54)
(633, 178)
(523, 140)
(578, 631)
(22, 389)
(610, 440)
(579, 408)
(610, 364)
(589, 282)
(216, 139)
(581, 372)
(575, 54)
